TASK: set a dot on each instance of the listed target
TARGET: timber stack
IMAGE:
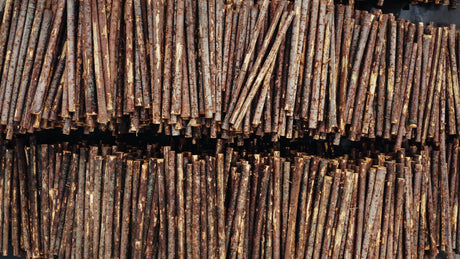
(226, 70)
(100, 201)
(256, 79)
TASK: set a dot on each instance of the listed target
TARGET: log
(196, 208)
(245, 66)
(80, 204)
(391, 77)
(296, 53)
(158, 59)
(205, 61)
(259, 216)
(37, 102)
(293, 205)
(271, 57)
(7, 179)
(181, 245)
(316, 83)
(348, 26)
(344, 205)
(141, 208)
(239, 214)
(356, 117)
(322, 215)
(126, 209)
(403, 83)
(332, 211)
(368, 18)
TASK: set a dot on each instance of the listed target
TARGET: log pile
(75, 200)
(451, 3)
(222, 71)
(277, 68)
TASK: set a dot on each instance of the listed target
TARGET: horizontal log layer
(278, 68)
(75, 200)
(450, 3)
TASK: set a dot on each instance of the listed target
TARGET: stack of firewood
(450, 3)
(227, 70)
(83, 201)
(277, 68)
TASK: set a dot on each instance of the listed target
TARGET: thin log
(454, 67)
(345, 203)
(391, 77)
(426, 70)
(263, 71)
(245, 66)
(293, 204)
(126, 209)
(375, 70)
(37, 102)
(205, 61)
(401, 90)
(157, 69)
(351, 225)
(180, 206)
(431, 85)
(239, 213)
(325, 194)
(398, 213)
(141, 204)
(309, 59)
(332, 211)
(239, 104)
(368, 18)
(317, 65)
(405, 108)
(357, 115)
(417, 79)
(348, 25)
(299, 29)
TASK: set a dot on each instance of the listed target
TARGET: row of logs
(450, 3)
(80, 201)
(280, 68)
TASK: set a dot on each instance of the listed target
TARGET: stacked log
(277, 68)
(451, 3)
(274, 86)
(75, 200)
